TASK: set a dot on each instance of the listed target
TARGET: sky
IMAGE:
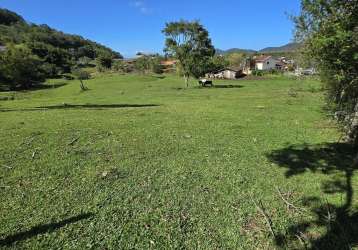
(129, 26)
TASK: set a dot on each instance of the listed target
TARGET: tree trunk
(186, 78)
(353, 128)
(83, 87)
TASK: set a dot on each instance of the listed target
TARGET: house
(227, 73)
(267, 63)
(168, 65)
(2, 48)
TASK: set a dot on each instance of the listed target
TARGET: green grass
(141, 162)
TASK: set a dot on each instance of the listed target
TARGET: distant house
(267, 63)
(227, 73)
(168, 65)
(2, 48)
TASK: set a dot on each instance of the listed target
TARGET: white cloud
(141, 6)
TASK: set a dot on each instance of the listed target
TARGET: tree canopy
(329, 31)
(19, 68)
(190, 44)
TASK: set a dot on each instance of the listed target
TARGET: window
(268, 62)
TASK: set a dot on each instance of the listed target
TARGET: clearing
(141, 162)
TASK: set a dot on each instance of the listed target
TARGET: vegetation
(131, 164)
(149, 64)
(81, 75)
(57, 51)
(104, 62)
(190, 44)
(19, 68)
(329, 31)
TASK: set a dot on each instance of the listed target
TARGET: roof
(235, 69)
(262, 58)
(168, 62)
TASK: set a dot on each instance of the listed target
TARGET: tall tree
(190, 44)
(329, 31)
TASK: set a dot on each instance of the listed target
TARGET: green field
(140, 162)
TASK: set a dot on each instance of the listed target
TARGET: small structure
(169, 65)
(267, 63)
(2, 48)
(227, 73)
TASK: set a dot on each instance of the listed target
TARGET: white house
(267, 63)
(227, 73)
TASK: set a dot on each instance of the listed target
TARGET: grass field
(140, 162)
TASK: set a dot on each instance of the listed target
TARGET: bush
(19, 68)
(104, 62)
(81, 74)
(157, 68)
(50, 70)
(257, 72)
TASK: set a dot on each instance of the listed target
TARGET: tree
(104, 61)
(81, 75)
(146, 64)
(236, 59)
(329, 31)
(19, 68)
(219, 62)
(190, 44)
(83, 61)
(156, 66)
(142, 64)
(8, 17)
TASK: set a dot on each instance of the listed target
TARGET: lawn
(140, 162)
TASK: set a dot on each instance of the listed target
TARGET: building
(2, 48)
(267, 63)
(168, 65)
(228, 73)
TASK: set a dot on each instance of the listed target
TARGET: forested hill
(54, 47)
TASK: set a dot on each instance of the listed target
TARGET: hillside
(290, 47)
(56, 48)
(235, 50)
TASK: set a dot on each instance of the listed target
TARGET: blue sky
(129, 26)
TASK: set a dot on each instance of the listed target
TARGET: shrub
(104, 61)
(257, 72)
(81, 74)
(19, 68)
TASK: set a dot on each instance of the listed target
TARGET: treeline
(49, 52)
(329, 31)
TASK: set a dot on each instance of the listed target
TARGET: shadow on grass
(47, 86)
(82, 106)
(221, 86)
(340, 222)
(34, 87)
(41, 229)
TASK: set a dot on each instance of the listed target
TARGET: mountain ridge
(290, 47)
